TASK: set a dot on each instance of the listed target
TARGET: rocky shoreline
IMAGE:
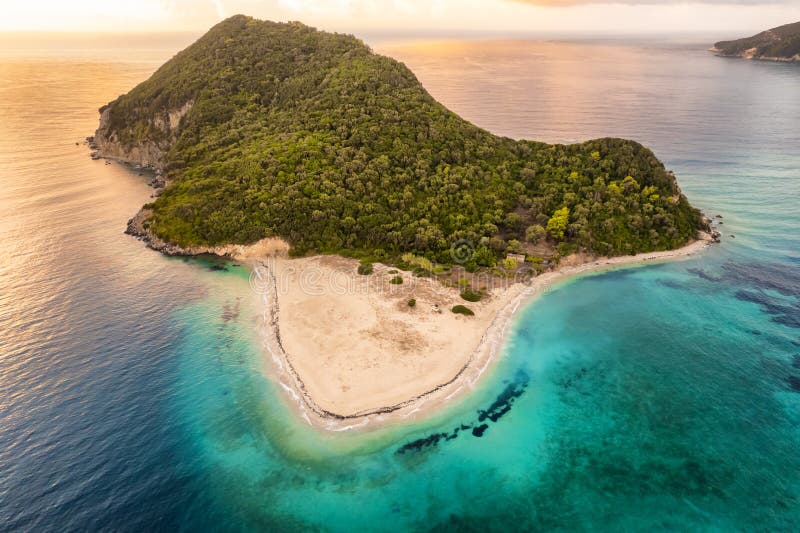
(145, 157)
(749, 54)
(137, 226)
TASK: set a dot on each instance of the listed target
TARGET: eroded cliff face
(145, 141)
(148, 150)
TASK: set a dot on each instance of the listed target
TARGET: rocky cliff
(144, 142)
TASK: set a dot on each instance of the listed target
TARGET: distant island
(425, 233)
(778, 44)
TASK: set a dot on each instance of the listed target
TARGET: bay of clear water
(133, 394)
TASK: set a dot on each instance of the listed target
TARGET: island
(778, 44)
(390, 240)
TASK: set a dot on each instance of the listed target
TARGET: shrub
(470, 295)
(365, 268)
(412, 302)
(567, 248)
(397, 280)
(514, 246)
(462, 310)
(483, 257)
(534, 234)
(417, 263)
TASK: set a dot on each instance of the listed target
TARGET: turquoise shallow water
(660, 398)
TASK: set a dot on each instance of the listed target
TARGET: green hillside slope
(781, 43)
(267, 129)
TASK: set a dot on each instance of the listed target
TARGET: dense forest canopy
(310, 136)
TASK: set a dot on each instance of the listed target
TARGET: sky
(725, 18)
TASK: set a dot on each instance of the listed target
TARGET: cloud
(568, 3)
(439, 17)
(220, 7)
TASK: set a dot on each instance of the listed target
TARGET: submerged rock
(478, 431)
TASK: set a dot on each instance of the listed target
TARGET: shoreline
(448, 376)
(297, 377)
(744, 55)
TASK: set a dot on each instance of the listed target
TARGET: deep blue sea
(134, 395)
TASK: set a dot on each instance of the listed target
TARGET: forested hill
(778, 44)
(268, 129)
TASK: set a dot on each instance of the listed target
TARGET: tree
(509, 263)
(514, 247)
(534, 234)
(484, 257)
(558, 223)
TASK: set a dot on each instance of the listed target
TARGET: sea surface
(134, 394)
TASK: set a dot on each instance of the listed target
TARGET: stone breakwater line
(488, 347)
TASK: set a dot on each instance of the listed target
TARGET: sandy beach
(351, 352)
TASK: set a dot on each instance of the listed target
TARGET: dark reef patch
(794, 383)
(499, 407)
(478, 431)
(505, 400)
(777, 277)
(420, 444)
(782, 311)
(699, 272)
(773, 286)
(672, 284)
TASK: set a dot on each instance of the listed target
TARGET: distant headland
(778, 44)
